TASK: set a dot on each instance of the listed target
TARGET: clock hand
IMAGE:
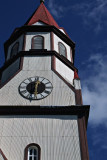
(36, 86)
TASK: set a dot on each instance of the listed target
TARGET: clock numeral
(47, 92)
(22, 87)
(50, 87)
(41, 96)
(35, 97)
(30, 80)
(24, 91)
(29, 96)
(25, 82)
(47, 83)
(42, 79)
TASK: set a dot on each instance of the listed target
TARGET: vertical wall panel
(1, 126)
(8, 127)
(77, 148)
(69, 150)
(64, 71)
(14, 149)
(56, 135)
(56, 48)
(6, 145)
(18, 125)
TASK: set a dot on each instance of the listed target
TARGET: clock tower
(42, 116)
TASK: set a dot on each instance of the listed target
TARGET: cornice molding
(33, 52)
(40, 52)
(79, 110)
(24, 29)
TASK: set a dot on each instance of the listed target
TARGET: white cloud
(56, 10)
(95, 88)
(94, 13)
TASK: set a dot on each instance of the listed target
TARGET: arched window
(14, 49)
(38, 42)
(32, 152)
(62, 49)
(2, 156)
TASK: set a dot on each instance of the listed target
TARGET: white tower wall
(36, 66)
(57, 136)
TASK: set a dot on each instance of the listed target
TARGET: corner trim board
(1, 152)
(83, 138)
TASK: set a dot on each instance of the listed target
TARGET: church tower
(42, 116)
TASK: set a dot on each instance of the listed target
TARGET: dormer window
(32, 152)
(62, 49)
(14, 49)
(38, 42)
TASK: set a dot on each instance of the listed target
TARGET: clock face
(35, 88)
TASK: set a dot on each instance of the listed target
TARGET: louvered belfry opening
(62, 49)
(37, 42)
(14, 49)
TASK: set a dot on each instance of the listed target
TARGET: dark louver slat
(14, 50)
(62, 49)
(37, 43)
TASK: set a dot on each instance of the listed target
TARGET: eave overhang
(33, 53)
(36, 52)
(24, 29)
(80, 110)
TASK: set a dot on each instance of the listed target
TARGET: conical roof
(42, 15)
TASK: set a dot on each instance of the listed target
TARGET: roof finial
(42, 1)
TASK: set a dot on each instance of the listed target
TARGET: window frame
(11, 53)
(59, 49)
(32, 41)
(27, 150)
(1, 152)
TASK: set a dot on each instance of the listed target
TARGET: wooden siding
(56, 40)
(56, 135)
(64, 71)
(61, 94)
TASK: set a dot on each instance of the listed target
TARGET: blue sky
(86, 23)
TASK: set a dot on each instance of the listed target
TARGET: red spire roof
(76, 75)
(42, 15)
